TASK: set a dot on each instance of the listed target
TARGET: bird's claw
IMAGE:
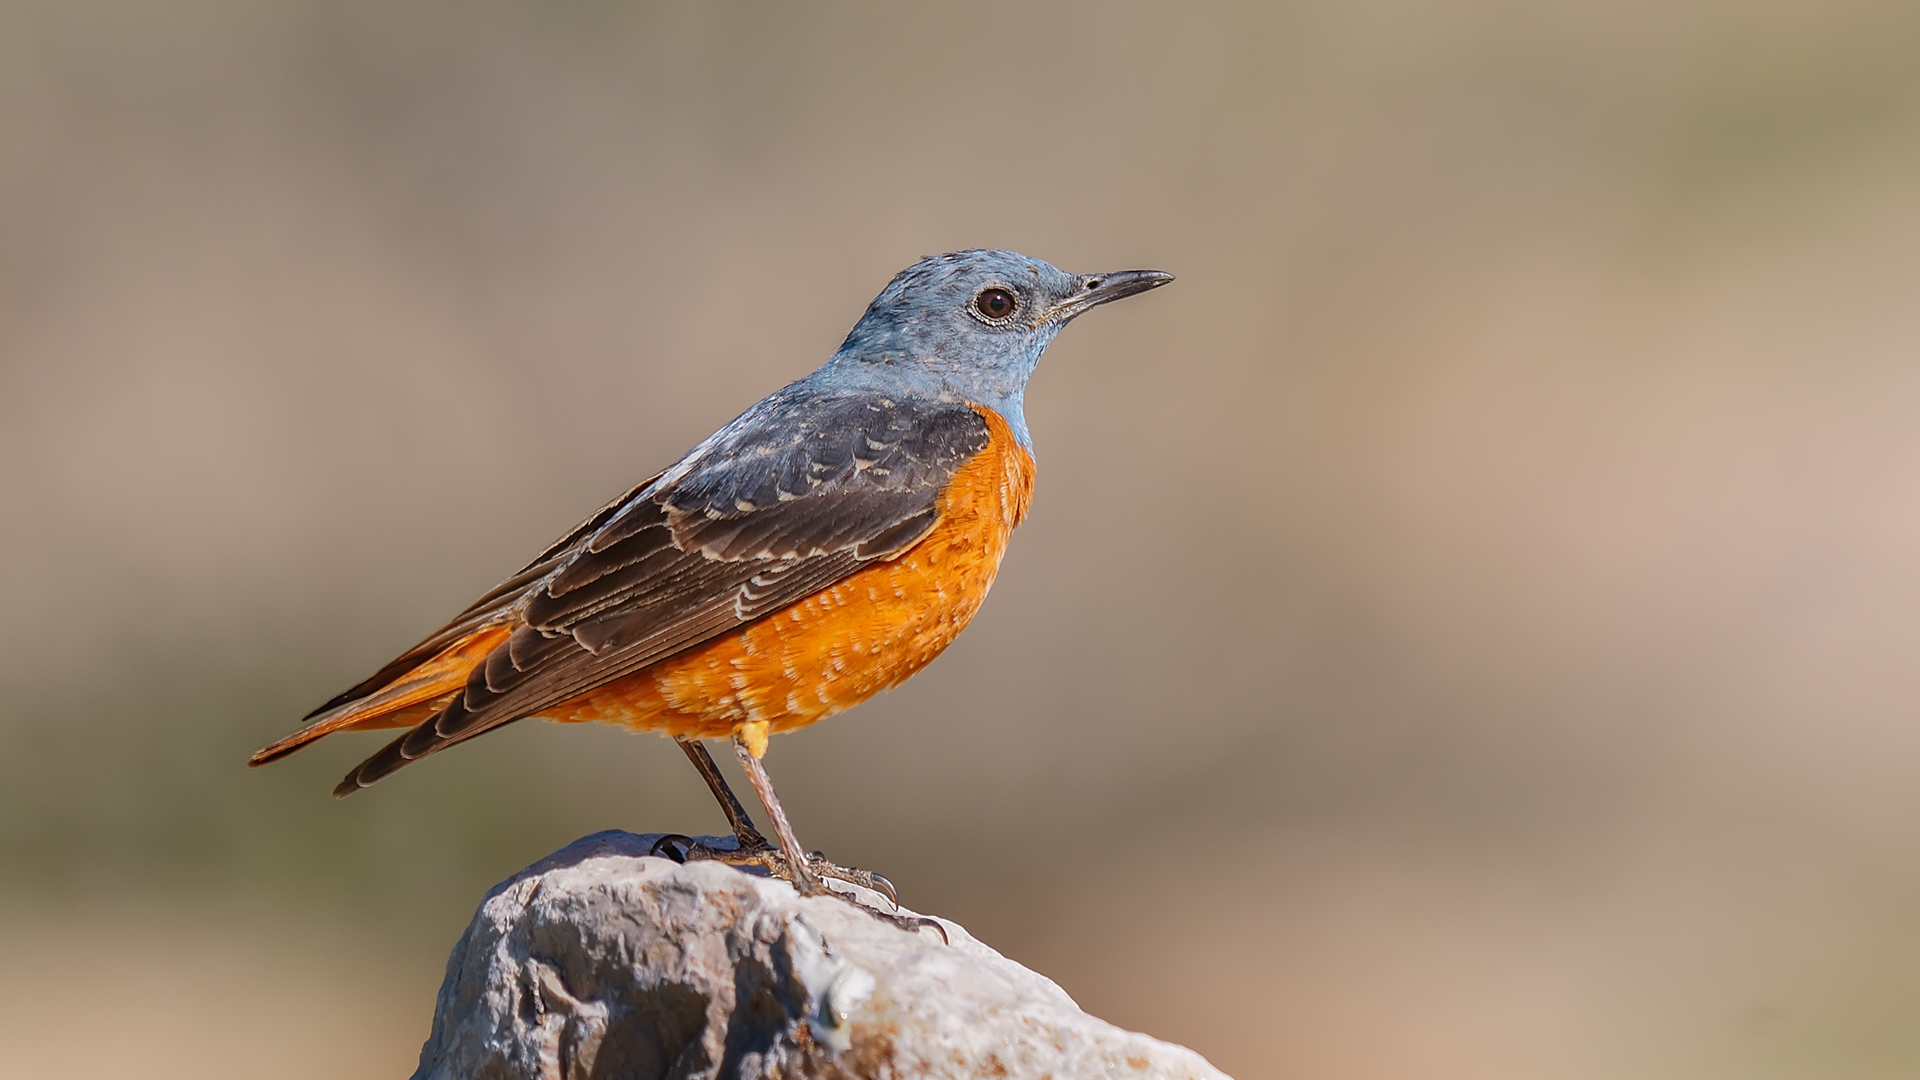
(665, 846)
(910, 923)
(756, 851)
(866, 879)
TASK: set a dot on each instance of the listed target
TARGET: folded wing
(795, 495)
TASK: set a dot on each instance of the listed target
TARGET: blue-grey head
(971, 325)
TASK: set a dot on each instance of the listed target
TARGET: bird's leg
(743, 828)
(748, 745)
(752, 847)
(749, 754)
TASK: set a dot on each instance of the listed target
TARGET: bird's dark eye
(995, 304)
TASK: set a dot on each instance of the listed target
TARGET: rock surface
(601, 962)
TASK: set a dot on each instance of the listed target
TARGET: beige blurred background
(1467, 628)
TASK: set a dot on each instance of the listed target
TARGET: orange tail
(412, 697)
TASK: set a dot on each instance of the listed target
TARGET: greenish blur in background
(1469, 625)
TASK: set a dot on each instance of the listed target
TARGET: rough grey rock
(601, 962)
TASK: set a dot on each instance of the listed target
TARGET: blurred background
(1467, 626)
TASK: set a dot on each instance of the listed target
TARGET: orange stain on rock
(848, 642)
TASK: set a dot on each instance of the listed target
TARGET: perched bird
(822, 547)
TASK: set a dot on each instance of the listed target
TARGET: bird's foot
(756, 851)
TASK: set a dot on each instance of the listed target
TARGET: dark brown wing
(795, 495)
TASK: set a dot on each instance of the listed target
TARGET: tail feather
(427, 738)
(415, 694)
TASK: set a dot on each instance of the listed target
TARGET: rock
(602, 962)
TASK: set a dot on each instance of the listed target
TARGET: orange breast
(848, 642)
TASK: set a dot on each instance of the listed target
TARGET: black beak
(1097, 289)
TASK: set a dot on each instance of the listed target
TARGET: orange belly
(848, 642)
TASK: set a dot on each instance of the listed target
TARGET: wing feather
(795, 495)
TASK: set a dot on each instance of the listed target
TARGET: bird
(822, 547)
